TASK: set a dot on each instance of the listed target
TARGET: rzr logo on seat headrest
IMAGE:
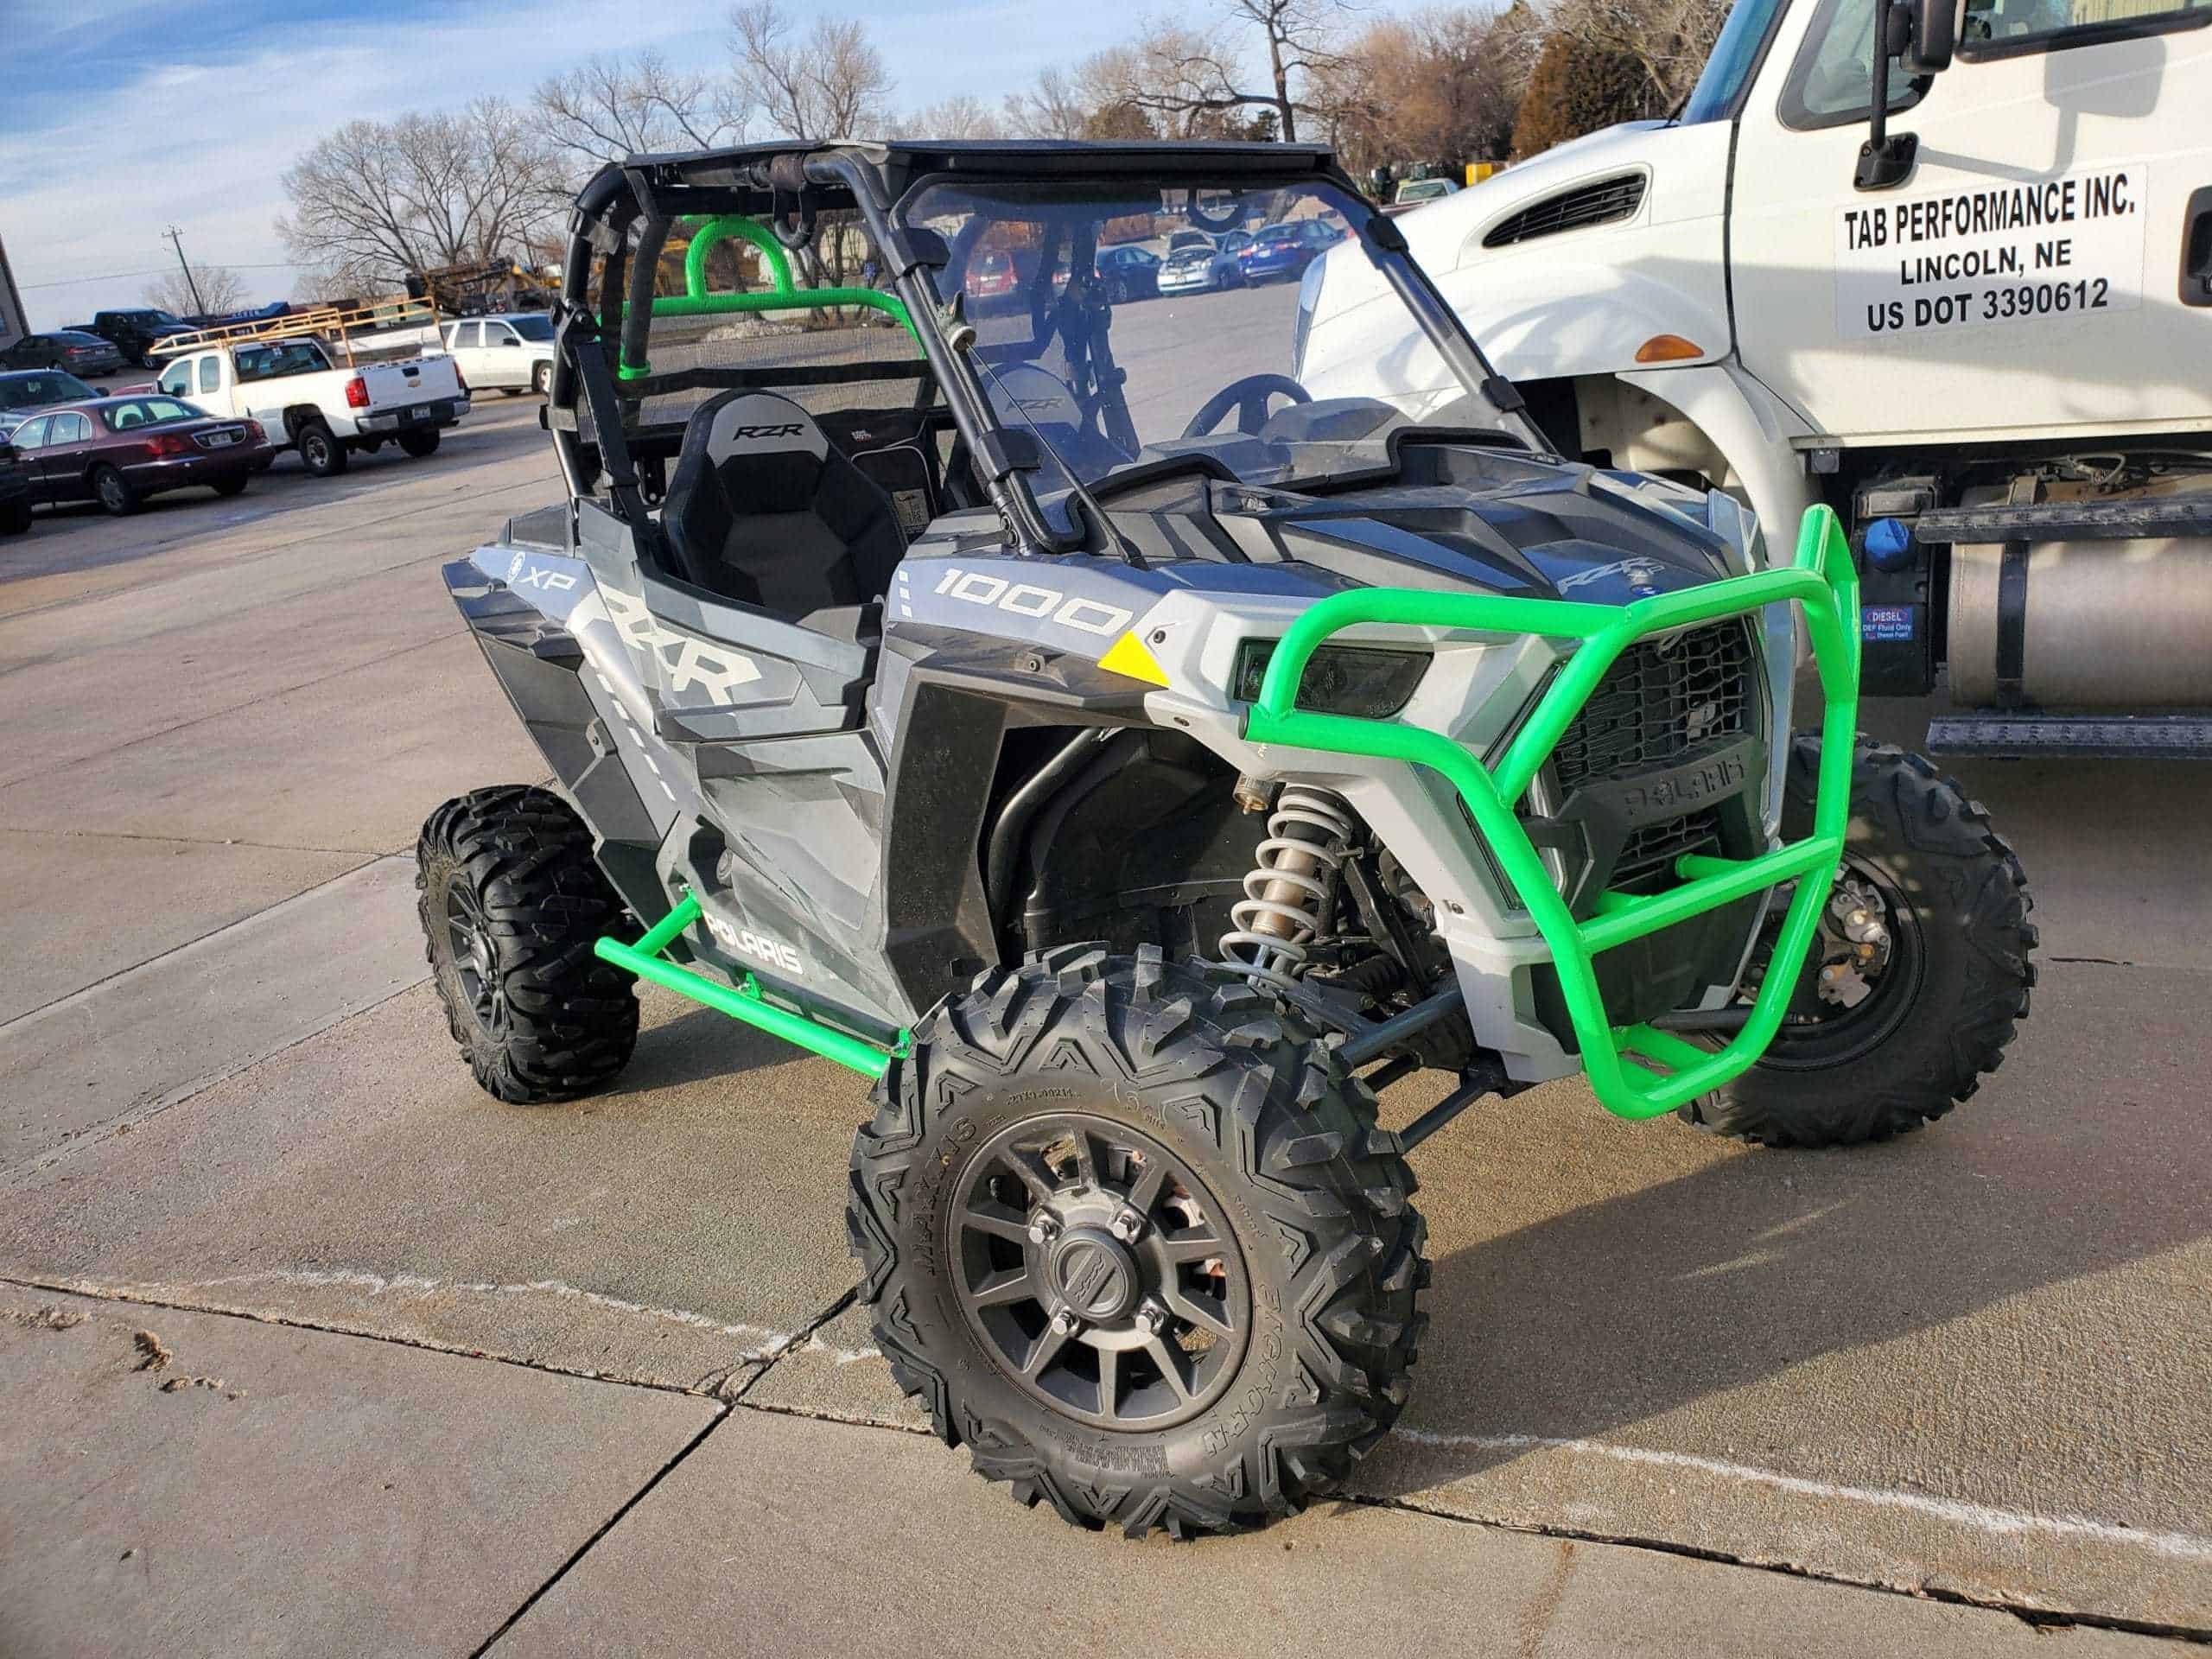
(790, 429)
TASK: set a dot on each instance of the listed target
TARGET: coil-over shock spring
(1291, 895)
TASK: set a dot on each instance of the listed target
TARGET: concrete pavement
(1971, 1362)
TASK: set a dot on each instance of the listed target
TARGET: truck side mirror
(1935, 36)
(1920, 35)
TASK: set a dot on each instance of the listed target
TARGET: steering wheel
(1248, 397)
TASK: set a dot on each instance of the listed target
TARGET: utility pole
(176, 238)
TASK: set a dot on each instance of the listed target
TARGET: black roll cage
(786, 185)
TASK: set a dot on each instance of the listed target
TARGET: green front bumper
(1822, 581)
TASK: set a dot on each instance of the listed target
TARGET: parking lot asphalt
(596, 1348)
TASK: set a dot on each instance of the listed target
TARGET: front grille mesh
(1647, 860)
(1661, 702)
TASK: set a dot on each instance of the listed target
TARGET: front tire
(1955, 968)
(511, 902)
(16, 517)
(1223, 1360)
(541, 379)
(233, 486)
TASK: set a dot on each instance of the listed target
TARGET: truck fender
(1540, 321)
(1742, 423)
(298, 415)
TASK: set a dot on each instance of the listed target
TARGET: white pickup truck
(325, 412)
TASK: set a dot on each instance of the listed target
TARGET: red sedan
(118, 451)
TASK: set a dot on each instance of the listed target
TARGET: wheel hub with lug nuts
(1095, 1267)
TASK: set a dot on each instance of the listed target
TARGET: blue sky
(119, 118)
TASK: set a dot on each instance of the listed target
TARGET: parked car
(991, 277)
(1127, 273)
(64, 348)
(511, 351)
(1197, 262)
(27, 389)
(133, 333)
(289, 386)
(118, 451)
(15, 493)
(1287, 248)
(1412, 193)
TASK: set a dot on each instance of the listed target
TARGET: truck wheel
(421, 442)
(1132, 1235)
(113, 491)
(511, 902)
(319, 451)
(1922, 967)
(541, 379)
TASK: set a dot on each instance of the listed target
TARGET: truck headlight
(1361, 680)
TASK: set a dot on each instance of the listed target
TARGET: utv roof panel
(1023, 156)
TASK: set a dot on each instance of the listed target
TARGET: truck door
(177, 379)
(2028, 273)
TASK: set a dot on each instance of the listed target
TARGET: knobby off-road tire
(1256, 1129)
(510, 901)
(1957, 982)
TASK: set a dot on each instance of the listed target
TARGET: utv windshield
(1077, 339)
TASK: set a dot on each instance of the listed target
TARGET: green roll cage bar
(706, 234)
(1821, 580)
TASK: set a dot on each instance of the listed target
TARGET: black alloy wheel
(1093, 1264)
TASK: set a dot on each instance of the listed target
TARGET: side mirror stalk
(1886, 159)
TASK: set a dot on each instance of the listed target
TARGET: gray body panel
(824, 796)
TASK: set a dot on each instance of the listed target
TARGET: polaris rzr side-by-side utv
(1052, 699)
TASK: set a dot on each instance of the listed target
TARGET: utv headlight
(1338, 679)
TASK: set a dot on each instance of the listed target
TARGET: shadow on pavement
(1617, 1310)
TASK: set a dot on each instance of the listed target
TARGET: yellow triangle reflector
(1129, 656)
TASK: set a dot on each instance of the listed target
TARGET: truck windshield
(1735, 54)
(270, 362)
(1084, 346)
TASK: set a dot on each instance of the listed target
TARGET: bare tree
(1193, 79)
(1055, 107)
(958, 117)
(221, 289)
(829, 83)
(377, 201)
(1669, 40)
(608, 107)
(1439, 86)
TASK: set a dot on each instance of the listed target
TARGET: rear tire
(1277, 1209)
(113, 491)
(512, 902)
(1950, 996)
(419, 443)
(320, 450)
(541, 379)
(233, 486)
